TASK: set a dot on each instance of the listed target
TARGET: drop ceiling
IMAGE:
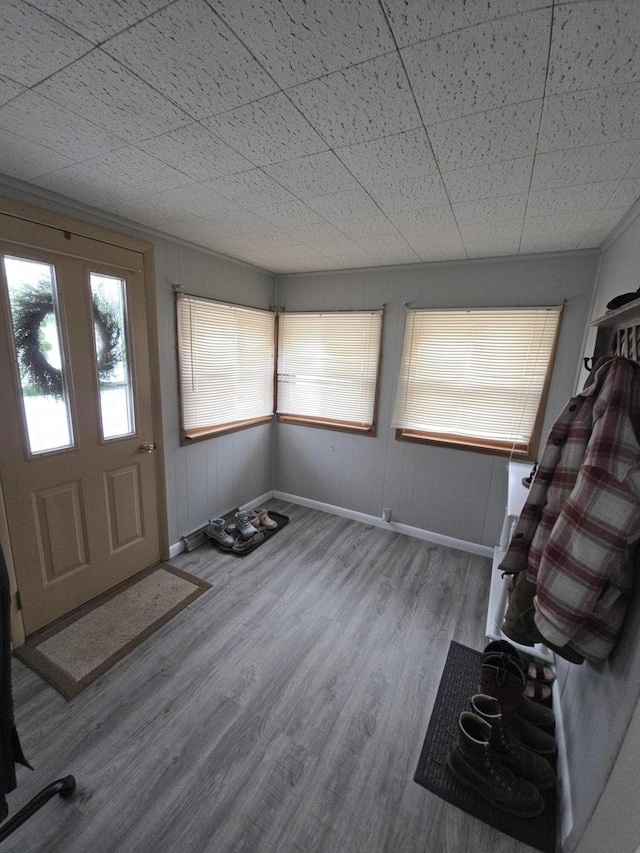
(322, 134)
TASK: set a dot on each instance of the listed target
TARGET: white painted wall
(451, 492)
(600, 701)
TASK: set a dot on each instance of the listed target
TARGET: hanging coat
(582, 515)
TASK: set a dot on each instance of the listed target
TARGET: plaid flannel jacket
(582, 515)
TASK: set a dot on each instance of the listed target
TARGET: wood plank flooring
(282, 712)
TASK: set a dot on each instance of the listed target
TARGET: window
(328, 365)
(227, 359)
(476, 379)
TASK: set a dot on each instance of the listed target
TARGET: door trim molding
(61, 222)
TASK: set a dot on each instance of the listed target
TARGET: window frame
(195, 434)
(483, 445)
(329, 423)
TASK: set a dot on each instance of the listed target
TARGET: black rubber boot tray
(281, 521)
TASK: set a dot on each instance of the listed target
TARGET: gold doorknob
(148, 447)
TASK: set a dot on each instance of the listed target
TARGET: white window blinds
(328, 366)
(475, 377)
(226, 364)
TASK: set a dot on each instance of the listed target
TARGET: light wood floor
(283, 711)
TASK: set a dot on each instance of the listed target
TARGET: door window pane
(108, 295)
(39, 348)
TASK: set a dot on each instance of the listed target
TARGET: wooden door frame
(51, 219)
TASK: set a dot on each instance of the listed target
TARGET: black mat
(280, 520)
(458, 683)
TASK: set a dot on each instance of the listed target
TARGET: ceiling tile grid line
(406, 131)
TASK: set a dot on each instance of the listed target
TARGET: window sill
(192, 435)
(476, 445)
(320, 423)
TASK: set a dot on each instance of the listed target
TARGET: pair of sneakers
(247, 525)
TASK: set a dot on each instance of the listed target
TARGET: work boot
(525, 763)
(477, 766)
(216, 530)
(502, 678)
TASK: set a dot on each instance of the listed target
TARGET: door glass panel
(109, 298)
(41, 358)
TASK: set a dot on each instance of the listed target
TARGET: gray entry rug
(82, 646)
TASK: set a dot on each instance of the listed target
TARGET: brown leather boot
(525, 763)
(478, 767)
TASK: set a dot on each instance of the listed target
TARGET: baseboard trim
(407, 529)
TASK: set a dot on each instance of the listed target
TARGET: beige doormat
(82, 646)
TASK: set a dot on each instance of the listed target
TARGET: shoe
(246, 544)
(254, 519)
(537, 691)
(513, 754)
(535, 713)
(244, 527)
(217, 531)
(265, 519)
(478, 767)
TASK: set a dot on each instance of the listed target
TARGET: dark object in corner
(10, 749)
(619, 301)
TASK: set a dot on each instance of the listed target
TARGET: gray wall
(599, 700)
(209, 477)
(452, 492)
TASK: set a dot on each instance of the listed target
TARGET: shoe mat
(458, 684)
(280, 519)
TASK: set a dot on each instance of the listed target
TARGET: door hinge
(18, 600)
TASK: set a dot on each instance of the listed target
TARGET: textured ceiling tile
(596, 117)
(102, 91)
(9, 89)
(99, 20)
(403, 155)
(300, 41)
(251, 184)
(343, 205)
(243, 221)
(148, 211)
(343, 250)
(198, 199)
(363, 102)
(139, 170)
(494, 179)
(481, 68)
(602, 226)
(267, 131)
(626, 193)
(584, 165)
(425, 220)
(316, 232)
(483, 231)
(491, 209)
(409, 194)
(192, 230)
(594, 44)
(293, 213)
(413, 21)
(88, 186)
(569, 225)
(312, 175)
(393, 245)
(487, 137)
(492, 246)
(574, 199)
(186, 53)
(26, 160)
(40, 120)
(195, 151)
(634, 171)
(370, 227)
(432, 253)
(557, 242)
(33, 45)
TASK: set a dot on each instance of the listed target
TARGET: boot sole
(504, 808)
